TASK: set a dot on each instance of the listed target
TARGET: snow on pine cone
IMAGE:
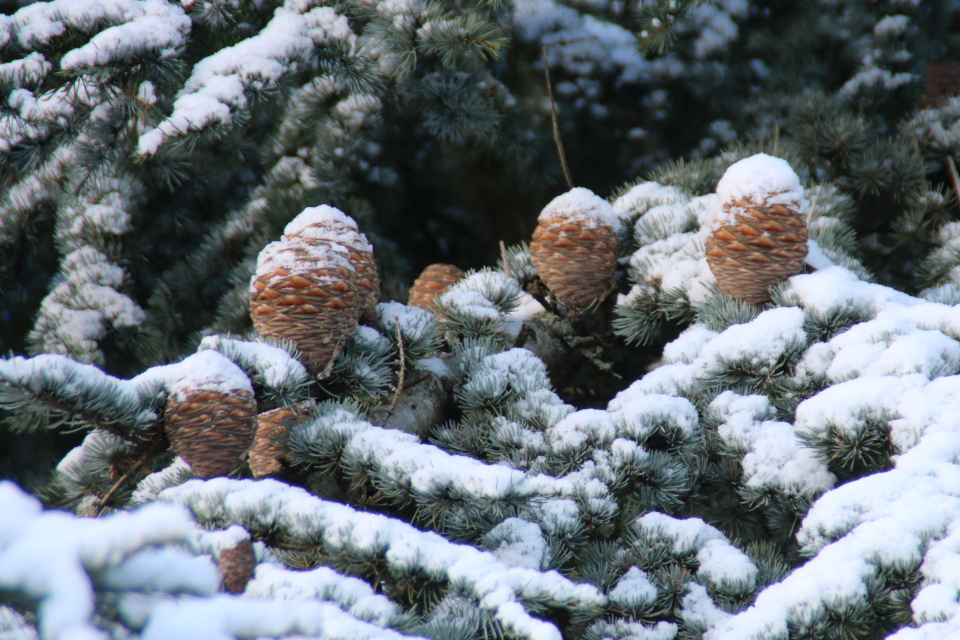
(211, 413)
(760, 235)
(237, 565)
(328, 225)
(269, 443)
(433, 283)
(307, 289)
(574, 247)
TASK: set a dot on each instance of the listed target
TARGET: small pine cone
(574, 248)
(269, 444)
(237, 566)
(327, 225)
(433, 283)
(761, 236)
(211, 414)
(305, 291)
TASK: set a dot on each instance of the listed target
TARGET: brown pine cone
(269, 443)
(328, 225)
(305, 292)
(237, 566)
(211, 414)
(433, 282)
(760, 237)
(574, 248)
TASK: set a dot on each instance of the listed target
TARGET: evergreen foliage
(670, 462)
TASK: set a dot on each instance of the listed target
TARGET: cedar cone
(761, 238)
(269, 444)
(433, 283)
(574, 248)
(211, 414)
(305, 291)
(237, 566)
(328, 225)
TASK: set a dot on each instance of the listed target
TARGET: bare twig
(954, 177)
(147, 455)
(563, 42)
(556, 123)
(776, 138)
(503, 256)
(403, 371)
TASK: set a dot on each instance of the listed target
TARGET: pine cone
(433, 283)
(328, 225)
(305, 291)
(761, 236)
(237, 566)
(574, 248)
(211, 414)
(269, 444)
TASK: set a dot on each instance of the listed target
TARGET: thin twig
(776, 138)
(503, 256)
(556, 123)
(403, 371)
(954, 177)
(562, 42)
(148, 454)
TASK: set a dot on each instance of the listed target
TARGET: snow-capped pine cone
(237, 566)
(433, 282)
(210, 429)
(574, 248)
(760, 236)
(306, 293)
(328, 225)
(269, 444)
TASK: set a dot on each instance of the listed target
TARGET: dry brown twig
(556, 122)
(400, 381)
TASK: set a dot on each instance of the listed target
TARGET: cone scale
(312, 285)
(433, 282)
(269, 444)
(574, 248)
(760, 236)
(210, 415)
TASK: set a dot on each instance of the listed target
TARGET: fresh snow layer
(519, 543)
(326, 224)
(582, 206)
(53, 557)
(633, 589)
(274, 582)
(293, 255)
(82, 305)
(140, 27)
(237, 617)
(760, 180)
(274, 365)
(302, 515)
(720, 562)
(773, 457)
(899, 367)
(322, 215)
(218, 84)
(204, 371)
